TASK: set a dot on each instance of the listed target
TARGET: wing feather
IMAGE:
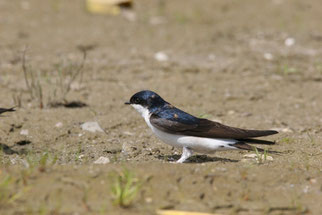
(2, 110)
(205, 128)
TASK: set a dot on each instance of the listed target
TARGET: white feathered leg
(186, 153)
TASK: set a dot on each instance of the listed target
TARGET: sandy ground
(249, 64)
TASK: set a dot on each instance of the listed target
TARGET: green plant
(204, 115)
(287, 70)
(78, 154)
(42, 162)
(33, 83)
(67, 75)
(286, 140)
(261, 158)
(8, 194)
(58, 80)
(125, 187)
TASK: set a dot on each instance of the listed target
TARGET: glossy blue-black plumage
(174, 114)
(147, 99)
(161, 108)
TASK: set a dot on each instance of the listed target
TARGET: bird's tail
(255, 141)
(2, 110)
(244, 146)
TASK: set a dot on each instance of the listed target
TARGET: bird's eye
(137, 101)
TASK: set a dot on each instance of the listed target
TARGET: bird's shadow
(195, 159)
(9, 151)
(71, 104)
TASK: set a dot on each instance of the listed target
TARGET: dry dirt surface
(250, 64)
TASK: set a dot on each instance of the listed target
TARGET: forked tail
(2, 110)
(244, 146)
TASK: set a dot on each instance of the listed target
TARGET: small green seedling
(125, 186)
(205, 115)
(261, 158)
(8, 195)
(287, 70)
(286, 140)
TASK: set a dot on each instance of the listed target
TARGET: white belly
(198, 144)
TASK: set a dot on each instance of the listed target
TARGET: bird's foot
(186, 153)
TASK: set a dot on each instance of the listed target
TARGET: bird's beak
(127, 103)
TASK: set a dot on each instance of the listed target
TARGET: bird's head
(146, 101)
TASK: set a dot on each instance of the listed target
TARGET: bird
(3, 110)
(193, 134)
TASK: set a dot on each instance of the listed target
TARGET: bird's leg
(186, 153)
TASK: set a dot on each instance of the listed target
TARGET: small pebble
(92, 127)
(128, 133)
(255, 157)
(231, 112)
(289, 41)
(102, 160)
(24, 132)
(268, 56)
(161, 56)
(59, 124)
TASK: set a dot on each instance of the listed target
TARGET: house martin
(182, 130)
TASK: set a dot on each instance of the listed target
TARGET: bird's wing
(173, 120)
(212, 129)
(2, 110)
(203, 128)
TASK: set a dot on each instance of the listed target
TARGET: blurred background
(137, 46)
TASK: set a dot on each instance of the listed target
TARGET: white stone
(289, 41)
(255, 156)
(231, 112)
(268, 56)
(92, 127)
(24, 132)
(161, 56)
(102, 160)
(59, 124)
(128, 133)
(287, 130)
